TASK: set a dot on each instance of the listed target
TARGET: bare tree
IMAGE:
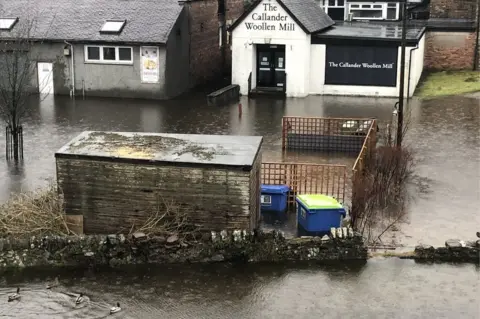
(17, 69)
(380, 194)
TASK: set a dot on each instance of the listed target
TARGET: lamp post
(402, 75)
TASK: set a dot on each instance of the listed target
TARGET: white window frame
(325, 5)
(369, 6)
(102, 61)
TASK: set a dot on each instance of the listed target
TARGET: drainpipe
(72, 68)
(410, 71)
(476, 65)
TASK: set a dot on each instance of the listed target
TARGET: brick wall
(235, 8)
(205, 53)
(449, 50)
(455, 9)
(206, 56)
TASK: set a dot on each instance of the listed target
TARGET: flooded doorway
(270, 66)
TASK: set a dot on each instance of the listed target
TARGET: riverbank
(117, 250)
(447, 83)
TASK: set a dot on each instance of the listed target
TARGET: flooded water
(381, 288)
(444, 134)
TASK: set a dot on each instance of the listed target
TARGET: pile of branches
(36, 213)
(379, 192)
(167, 219)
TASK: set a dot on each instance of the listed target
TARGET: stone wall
(117, 250)
(453, 9)
(454, 251)
(449, 50)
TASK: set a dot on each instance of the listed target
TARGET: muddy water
(444, 133)
(378, 289)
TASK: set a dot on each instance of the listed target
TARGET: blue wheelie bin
(317, 213)
(274, 198)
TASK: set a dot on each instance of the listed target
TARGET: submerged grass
(447, 83)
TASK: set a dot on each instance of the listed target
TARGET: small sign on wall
(149, 60)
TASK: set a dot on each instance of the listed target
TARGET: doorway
(45, 78)
(270, 66)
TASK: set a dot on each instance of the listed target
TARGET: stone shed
(112, 180)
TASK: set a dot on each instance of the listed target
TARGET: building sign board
(269, 17)
(361, 65)
(149, 60)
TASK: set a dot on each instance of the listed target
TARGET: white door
(45, 78)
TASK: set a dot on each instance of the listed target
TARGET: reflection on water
(379, 289)
(443, 132)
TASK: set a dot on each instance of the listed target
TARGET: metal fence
(306, 179)
(10, 142)
(324, 134)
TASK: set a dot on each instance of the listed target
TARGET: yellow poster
(150, 64)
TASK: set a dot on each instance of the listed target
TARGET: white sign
(149, 60)
(271, 19)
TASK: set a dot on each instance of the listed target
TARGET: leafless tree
(17, 71)
(379, 192)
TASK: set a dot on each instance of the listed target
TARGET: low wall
(449, 50)
(454, 251)
(224, 96)
(116, 250)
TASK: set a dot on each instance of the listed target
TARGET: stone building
(122, 48)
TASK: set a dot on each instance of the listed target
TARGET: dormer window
(113, 26)
(6, 24)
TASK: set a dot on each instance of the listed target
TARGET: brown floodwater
(380, 288)
(444, 134)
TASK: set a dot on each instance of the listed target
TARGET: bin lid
(275, 189)
(319, 201)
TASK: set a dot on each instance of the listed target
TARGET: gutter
(410, 71)
(72, 92)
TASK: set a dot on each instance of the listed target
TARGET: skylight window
(7, 23)
(113, 26)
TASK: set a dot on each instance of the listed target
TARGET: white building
(293, 47)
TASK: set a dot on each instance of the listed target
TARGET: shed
(111, 180)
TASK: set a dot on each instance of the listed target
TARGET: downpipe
(72, 92)
(410, 71)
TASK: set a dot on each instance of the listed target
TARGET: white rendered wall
(297, 49)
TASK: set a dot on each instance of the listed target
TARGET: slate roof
(148, 21)
(306, 13)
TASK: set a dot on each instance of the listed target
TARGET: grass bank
(447, 83)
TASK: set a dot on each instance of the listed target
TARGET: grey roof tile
(148, 21)
(310, 14)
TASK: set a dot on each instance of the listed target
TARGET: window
(108, 54)
(125, 54)
(93, 53)
(374, 11)
(334, 8)
(113, 26)
(7, 23)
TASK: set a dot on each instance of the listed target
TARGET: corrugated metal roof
(225, 150)
(148, 21)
